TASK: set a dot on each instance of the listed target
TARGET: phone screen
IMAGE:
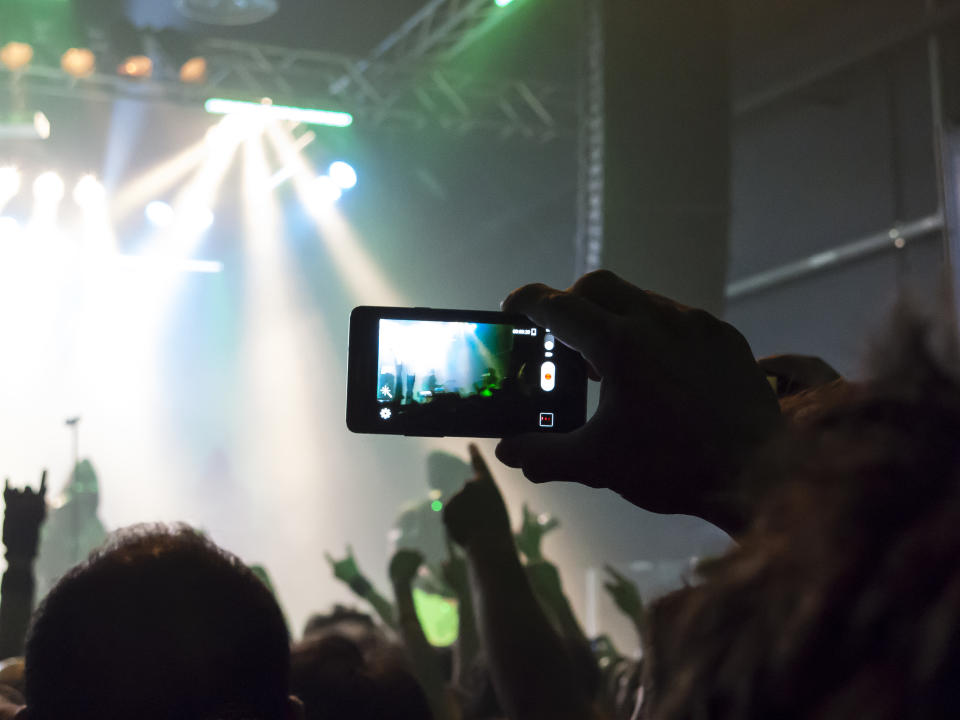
(443, 372)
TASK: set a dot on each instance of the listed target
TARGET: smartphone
(460, 373)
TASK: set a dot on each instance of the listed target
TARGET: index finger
(613, 571)
(43, 483)
(479, 464)
(577, 321)
(330, 559)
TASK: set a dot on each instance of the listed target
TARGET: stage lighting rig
(78, 62)
(48, 188)
(24, 125)
(227, 12)
(343, 175)
(16, 55)
(266, 109)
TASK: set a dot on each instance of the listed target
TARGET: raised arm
(347, 572)
(22, 517)
(533, 673)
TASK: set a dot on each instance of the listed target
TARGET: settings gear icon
(385, 413)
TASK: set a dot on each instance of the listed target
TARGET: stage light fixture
(503, 3)
(48, 188)
(194, 71)
(329, 118)
(343, 175)
(9, 183)
(89, 192)
(160, 214)
(198, 219)
(78, 62)
(136, 66)
(227, 12)
(16, 55)
(326, 191)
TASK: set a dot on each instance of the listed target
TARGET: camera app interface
(460, 371)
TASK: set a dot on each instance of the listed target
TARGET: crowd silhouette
(840, 597)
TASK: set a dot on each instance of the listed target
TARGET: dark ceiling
(538, 39)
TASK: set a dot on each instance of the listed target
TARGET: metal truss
(408, 95)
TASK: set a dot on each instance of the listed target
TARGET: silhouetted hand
(477, 514)
(625, 594)
(683, 404)
(404, 566)
(796, 373)
(24, 514)
(531, 533)
(455, 574)
(345, 570)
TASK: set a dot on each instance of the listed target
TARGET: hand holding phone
(683, 403)
(462, 373)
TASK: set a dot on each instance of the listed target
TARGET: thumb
(545, 457)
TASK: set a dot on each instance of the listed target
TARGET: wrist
(360, 585)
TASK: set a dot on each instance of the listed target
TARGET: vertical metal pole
(589, 240)
(946, 165)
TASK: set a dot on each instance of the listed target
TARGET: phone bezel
(363, 367)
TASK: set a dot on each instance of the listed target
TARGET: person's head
(335, 679)
(159, 623)
(844, 599)
(447, 473)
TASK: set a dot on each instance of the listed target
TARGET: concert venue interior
(194, 194)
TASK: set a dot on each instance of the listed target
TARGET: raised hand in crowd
(404, 567)
(534, 674)
(683, 404)
(348, 572)
(456, 575)
(626, 596)
(23, 515)
(531, 533)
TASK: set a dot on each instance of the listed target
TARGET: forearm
(16, 605)
(468, 641)
(533, 674)
(364, 589)
(424, 656)
(549, 590)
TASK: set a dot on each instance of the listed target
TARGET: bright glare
(48, 188)
(9, 183)
(136, 66)
(160, 214)
(89, 192)
(16, 55)
(331, 118)
(503, 3)
(9, 228)
(343, 175)
(326, 191)
(198, 219)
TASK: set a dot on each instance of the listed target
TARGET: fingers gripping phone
(460, 373)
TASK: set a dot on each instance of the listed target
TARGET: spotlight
(160, 214)
(48, 188)
(9, 182)
(194, 71)
(16, 55)
(198, 219)
(78, 62)
(136, 66)
(330, 118)
(326, 191)
(343, 175)
(502, 3)
(89, 192)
